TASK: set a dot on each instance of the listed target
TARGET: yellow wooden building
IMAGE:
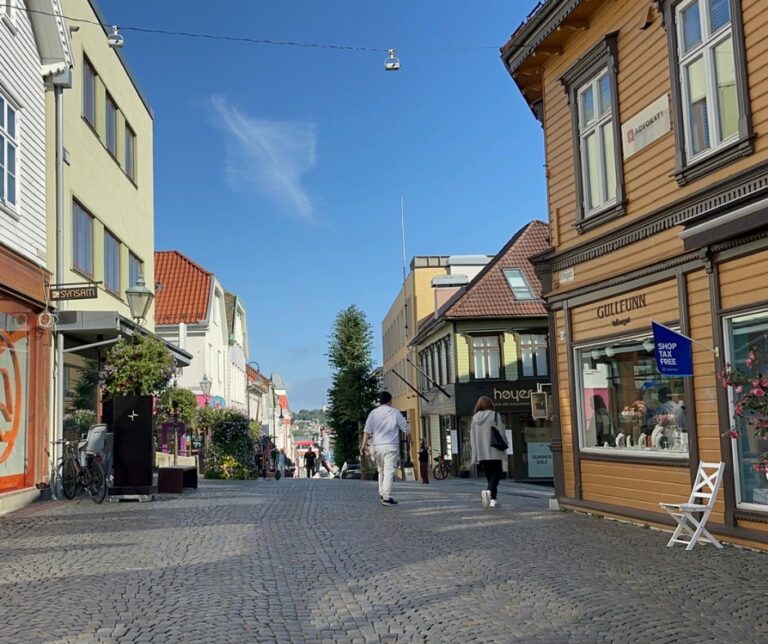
(655, 117)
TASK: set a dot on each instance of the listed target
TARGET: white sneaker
(494, 503)
(485, 498)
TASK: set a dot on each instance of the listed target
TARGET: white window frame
(597, 127)
(741, 505)
(705, 50)
(533, 343)
(485, 350)
(7, 141)
(521, 293)
(8, 15)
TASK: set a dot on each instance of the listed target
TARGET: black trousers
(424, 469)
(492, 471)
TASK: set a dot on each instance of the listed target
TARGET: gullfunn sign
(618, 309)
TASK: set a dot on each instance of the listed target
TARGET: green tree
(186, 405)
(137, 366)
(86, 386)
(353, 387)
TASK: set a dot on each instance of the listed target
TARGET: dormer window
(519, 285)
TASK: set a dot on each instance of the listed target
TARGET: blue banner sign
(674, 351)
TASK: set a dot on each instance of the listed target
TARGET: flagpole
(715, 350)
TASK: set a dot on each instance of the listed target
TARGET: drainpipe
(60, 83)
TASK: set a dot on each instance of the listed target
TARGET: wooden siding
(510, 356)
(740, 284)
(704, 383)
(661, 305)
(21, 81)
(559, 350)
(649, 180)
(637, 486)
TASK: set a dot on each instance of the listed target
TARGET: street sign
(74, 293)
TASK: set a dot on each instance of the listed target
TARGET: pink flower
(758, 392)
(732, 434)
(739, 389)
(749, 363)
(738, 410)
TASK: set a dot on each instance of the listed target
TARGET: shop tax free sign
(673, 350)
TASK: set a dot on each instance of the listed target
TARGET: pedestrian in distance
(382, 429)
(424, 461)
(281, 462)
(492, 460)
(309, 463)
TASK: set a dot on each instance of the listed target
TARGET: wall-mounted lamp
(610, 352)
(596, 354)
(649, 346)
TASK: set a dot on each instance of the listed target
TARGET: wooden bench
(173, 479)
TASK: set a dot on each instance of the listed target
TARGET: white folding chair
(700, 504)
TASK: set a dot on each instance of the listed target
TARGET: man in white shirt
(382, 429)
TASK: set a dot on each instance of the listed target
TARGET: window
(486, 356)
(743, 334)
(6, 9)
(111, 263)
(533, 355)
(9, 146)
(709, 85)
(130, 153)
(89, 93)
(82, 238)
(110, 123)
(135, 268)
(593, 95)
(519, 285)
(625, 404)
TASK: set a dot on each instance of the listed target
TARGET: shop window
(592, 91)
(82, 240)
(709, 85)
(15, 347)
(625, 405)
(486, 357)
(744, 334)
(9, 147)
(533, 355)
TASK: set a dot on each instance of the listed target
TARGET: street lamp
(139, 299)
(205, 387)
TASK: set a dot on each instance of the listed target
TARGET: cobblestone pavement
(322, 561)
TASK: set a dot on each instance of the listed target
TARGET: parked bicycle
(443, 469)
(54, 478)
(82, 469)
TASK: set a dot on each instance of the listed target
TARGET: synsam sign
(674, 351)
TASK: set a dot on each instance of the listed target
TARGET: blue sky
(281, 169)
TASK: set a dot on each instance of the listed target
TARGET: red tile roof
(489, 295)
(185, 289)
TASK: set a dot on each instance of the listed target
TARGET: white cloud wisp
(270, 156)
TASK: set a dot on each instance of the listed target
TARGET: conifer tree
(353, 387)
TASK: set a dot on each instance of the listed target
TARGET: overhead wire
(248, 39)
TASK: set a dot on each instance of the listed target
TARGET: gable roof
(230, 306)
(489, 295)
(185, 289)
(51, 36)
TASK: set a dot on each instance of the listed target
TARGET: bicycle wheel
(97, 487)
(438, 472)
(69, 478)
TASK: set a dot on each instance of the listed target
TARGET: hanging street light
(392, 63)
(116, 40)
(139, 299)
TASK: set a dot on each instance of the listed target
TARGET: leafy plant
(230, 454)
(140, 365)
(78, 423)
(186, 405)
(86, 386)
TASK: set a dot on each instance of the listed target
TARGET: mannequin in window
(600, 427)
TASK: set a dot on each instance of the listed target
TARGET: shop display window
(744, 334)
(625, 405)
(14, 388)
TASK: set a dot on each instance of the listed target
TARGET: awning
(84, 329)
(726, 226)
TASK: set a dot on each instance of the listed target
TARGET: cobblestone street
(322, 561)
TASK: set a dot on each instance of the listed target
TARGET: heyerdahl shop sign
(506, 396)
(647, 126)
